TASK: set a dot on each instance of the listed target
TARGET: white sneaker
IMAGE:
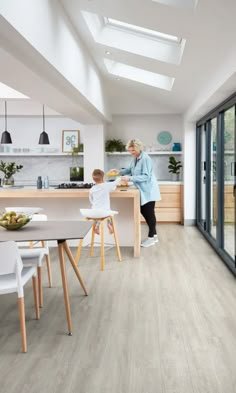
(148, 242)
(156, 240)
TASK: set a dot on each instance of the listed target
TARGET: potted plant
(174, 167)
(78, 149)
(114, 145)
(9, 169)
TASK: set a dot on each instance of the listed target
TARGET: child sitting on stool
(99, 196)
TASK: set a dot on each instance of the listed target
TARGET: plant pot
(175, 176)
(8, 182)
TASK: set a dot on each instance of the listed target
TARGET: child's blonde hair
(97, 175)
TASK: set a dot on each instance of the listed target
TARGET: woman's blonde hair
(136, 144)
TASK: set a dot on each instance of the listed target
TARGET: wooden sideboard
(170, 208)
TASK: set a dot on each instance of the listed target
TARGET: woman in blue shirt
(140, 172)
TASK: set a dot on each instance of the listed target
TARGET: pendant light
(6, 136)
(43, 139)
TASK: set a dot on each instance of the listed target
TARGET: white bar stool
(101, 216)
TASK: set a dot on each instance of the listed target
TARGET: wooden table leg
(64, 283)
(72, 261)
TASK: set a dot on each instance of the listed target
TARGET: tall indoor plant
(9, 169)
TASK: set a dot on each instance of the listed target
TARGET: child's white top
(99, 194)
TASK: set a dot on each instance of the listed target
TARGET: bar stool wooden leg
(79, 248)
(92, 240)
(102, 244)
(116, 239)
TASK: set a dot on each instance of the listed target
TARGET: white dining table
(61, 231)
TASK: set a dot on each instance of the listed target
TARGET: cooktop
(68, 186)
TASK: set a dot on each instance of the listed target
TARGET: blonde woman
(140, 172)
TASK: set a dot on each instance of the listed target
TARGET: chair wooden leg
(48, 263)
(21, 306)
(116, 239)
(40, 287)
(102, 245)
(36, 298)
(77, 256)
(65, 286)
(92, 240)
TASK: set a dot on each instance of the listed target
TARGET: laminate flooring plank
(161, 323)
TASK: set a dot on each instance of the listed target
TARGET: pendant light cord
(43, 120)
(5, 115)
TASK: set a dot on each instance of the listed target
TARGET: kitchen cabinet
(228, 203)
(170, 207)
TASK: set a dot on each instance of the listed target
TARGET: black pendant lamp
(43, 139)
(6, 136)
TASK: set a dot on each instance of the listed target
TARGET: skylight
(139, 75)
(141, 30)
(133, 39)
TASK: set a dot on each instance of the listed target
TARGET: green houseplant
(9, 169)
(174, 167)
(112, 145)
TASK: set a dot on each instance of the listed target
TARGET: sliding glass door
(229, 181)
(213, 178)
(216, 179)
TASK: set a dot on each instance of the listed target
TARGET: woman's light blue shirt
(143, 178)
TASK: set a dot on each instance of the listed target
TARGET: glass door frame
(205, 122)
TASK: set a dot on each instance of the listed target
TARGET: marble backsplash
(57, 168)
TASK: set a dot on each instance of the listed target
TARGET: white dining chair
(34, 256)
(13, 277)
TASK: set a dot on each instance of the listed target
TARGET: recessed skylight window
(139, 75)
(141, 30)
(133, 39)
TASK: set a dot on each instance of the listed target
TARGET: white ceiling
(209, 29)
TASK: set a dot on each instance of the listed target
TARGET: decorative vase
(8, 181)
(176, 146)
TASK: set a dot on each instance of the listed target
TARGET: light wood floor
(163, 323)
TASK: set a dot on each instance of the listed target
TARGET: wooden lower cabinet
(229, 203)
(170, 208)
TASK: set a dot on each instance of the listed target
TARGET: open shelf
(40, 154)
(158, 152)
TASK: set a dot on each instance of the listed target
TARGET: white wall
(146, 128)
(189, 173)
(93, 150)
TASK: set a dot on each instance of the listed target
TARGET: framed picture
(70, 139)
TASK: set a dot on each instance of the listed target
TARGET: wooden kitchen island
(61, 204)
